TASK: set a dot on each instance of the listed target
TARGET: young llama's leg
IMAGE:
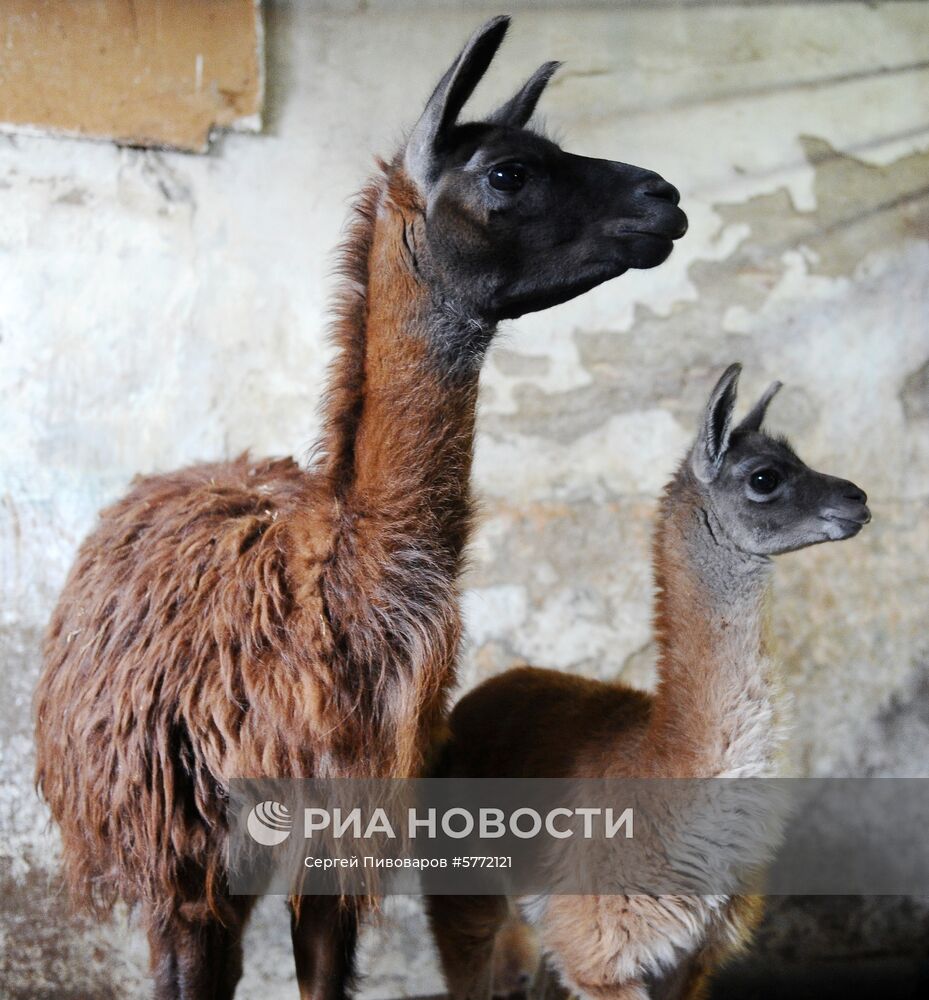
(689, 981)
(465, 929)
(515, 958)
(632, 989)
(548, 986)
(324, 932)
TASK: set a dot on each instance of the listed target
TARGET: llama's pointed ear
(713, 439)
(448, 98)
(755, 416)
(518, 109)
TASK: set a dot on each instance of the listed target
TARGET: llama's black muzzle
(643, 204)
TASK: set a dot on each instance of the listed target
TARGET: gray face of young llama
(761, 494)
(513, 223)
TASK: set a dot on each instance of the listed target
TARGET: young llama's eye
(507, 176)
(765, 481)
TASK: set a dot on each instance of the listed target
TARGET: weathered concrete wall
(156, 309)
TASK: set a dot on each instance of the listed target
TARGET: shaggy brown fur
(252, 618)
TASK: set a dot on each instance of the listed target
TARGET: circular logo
(269, 823)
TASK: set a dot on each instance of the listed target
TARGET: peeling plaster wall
(159, 308)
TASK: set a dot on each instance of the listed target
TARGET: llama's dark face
(513, 223)
(765, 499)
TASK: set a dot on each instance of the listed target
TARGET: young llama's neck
(715, 708)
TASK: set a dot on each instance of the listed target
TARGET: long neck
(714, 710)
(400, 421)
(397, 446)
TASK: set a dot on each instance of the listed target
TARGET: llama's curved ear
(713, 439)
(755, 417)
(518, 109)
(448, 98)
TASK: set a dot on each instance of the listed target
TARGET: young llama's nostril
(852, 492)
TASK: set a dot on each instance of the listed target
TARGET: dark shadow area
(888, 978)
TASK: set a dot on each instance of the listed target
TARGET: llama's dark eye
(507, 176)
(765, 481)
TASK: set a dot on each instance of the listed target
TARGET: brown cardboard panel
(141, 72)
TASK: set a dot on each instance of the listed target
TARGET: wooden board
(140, 72)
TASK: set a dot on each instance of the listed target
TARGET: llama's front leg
(324, 931)
(197, 960)
(465, 928)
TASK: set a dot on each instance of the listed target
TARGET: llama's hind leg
(324, 931)
(465, 929)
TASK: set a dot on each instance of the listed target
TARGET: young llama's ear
(422, 159)
(755, 417)
(713, 439)
(518, 109)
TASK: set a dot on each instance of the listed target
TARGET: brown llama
(739, 498)
(254, 618)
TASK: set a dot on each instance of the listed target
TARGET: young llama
(739, 498)
(255, 618)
